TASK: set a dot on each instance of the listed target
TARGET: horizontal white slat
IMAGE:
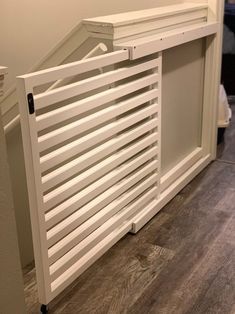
(74, 68)
(104, 244)
(88, 259)
(93, 120)
(60, 248)
(86, 160)
(59, 94)
(77, 201)
(98, 219)
(78, 183)
(66, 112)
(58, 156)
(82, 248)
(99, 216)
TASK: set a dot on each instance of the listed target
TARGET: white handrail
(97, 50)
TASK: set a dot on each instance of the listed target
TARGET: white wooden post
(11, 283)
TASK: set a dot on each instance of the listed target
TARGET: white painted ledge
(159, 42)
(140, 23)
(145, 15)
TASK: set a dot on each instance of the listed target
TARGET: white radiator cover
(93, 146)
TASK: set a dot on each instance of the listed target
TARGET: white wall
(19, 189)
(11, 283)
(32, 28)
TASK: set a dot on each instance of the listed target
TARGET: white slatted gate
(92, 158)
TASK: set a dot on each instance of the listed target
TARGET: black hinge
(31, 103)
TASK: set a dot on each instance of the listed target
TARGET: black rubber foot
(221, 132)
(44, 309)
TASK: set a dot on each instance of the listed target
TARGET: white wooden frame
(141, 33)
(194, 21)
(79, 209)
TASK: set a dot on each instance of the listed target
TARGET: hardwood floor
(182, 262)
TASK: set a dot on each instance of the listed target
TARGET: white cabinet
(106, 150)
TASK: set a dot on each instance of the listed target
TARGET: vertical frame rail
(33, 175)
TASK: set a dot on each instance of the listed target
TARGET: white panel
(183, 108)
(94, 166)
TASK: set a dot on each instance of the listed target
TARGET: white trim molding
(132, 25)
